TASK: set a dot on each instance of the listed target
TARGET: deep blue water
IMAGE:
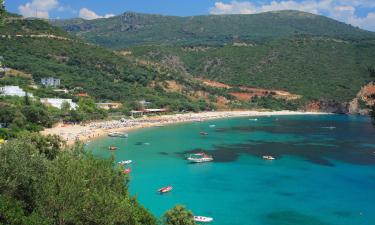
(324, 173)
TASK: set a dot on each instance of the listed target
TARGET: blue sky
(359, 13)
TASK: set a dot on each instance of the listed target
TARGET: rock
(328, 106)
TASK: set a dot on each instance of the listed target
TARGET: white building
(13, 91)
(50, 82)
(58, 102)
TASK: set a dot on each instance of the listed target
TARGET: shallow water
(324, 173)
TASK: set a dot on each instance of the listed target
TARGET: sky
(359, 13)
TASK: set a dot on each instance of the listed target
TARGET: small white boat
(118, 134)
(165, 189)
(212, 125)
(125, 162)
(268, 157)
(203, 219)
(200, 158)
(112, 148)
(255, 119)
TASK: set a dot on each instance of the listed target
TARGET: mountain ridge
(130, 29)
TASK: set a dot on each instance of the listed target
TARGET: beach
(89, 131)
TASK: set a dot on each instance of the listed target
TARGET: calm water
(324, 173)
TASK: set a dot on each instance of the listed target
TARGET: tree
(19, 121)
(41, 183)
(6, 114)
(27, 99)
(178, 215)
(2, 12)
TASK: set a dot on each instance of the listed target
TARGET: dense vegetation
(132, 29)
(40, 183)
(18, 114)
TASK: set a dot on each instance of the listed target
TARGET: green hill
(37, 48)
(131, 29)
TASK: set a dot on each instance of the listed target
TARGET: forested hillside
(131, 29)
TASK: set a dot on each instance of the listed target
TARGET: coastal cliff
(360, 105)
(364, 100)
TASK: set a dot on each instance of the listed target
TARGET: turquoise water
(324, 173)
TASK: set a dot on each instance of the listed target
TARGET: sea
(323, 172)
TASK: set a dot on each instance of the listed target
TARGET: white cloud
(343, 10)
(367, 22)
(38, 8)
(87, 14)
(233, 8)
(109, 15)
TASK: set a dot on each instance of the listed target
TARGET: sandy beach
(92, 130)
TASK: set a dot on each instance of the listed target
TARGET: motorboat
(127, 170)
(199, 158)
(203, 219)
(165, 189)
(253, 119)
(203, 133)
(212, 125)
(125, 162)
(118, 134)
(112, 148)
(268, 157)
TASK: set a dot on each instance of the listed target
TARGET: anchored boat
(203, 133)
(125, 162)
(112, 148)
(268, 157)
(118, 134)
(127, 170)
(165, 189)
(199, 158)
(203, 219)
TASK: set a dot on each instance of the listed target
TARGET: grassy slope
(135, 29)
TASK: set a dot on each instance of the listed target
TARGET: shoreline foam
(96, 129)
